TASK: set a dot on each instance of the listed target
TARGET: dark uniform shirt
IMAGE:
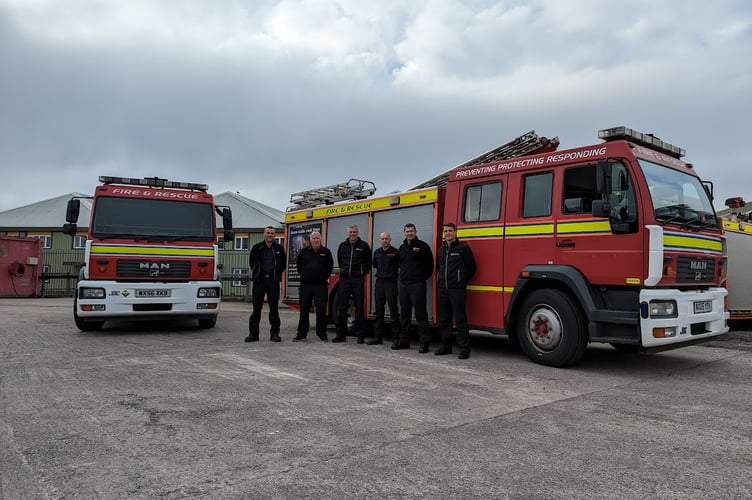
(354, 259)
(315, 266)
(386, 262)
(416, 261)
(265, 261)
(455, 265)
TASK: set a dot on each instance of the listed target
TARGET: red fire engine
(151, 252)
(737, 225)
(616, 242)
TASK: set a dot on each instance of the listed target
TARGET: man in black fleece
(455, 266)
(416, 266)
(354, 261)
(315, 264)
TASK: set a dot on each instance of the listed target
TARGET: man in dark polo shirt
(386, 263)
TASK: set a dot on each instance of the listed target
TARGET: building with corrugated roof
(64, 255)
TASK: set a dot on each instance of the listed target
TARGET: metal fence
(61, 274)
(64, 285)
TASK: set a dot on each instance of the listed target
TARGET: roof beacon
(154, 182)
(647, 140)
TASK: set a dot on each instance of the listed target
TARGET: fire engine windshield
(152, 220)
(678, 198)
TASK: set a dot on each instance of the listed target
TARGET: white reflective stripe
(655, 255)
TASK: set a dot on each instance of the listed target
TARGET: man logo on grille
(155, 268)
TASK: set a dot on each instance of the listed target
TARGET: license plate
(152, 293)
(704, 306)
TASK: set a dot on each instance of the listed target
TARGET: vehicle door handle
(565, 243)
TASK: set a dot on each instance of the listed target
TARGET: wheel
(551, 329)
(85, 325)
(207, 323)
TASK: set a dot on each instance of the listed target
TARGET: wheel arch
(566, 279)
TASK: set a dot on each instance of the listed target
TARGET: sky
(266, 98)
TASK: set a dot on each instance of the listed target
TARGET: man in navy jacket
(267, 262)
(455, 265)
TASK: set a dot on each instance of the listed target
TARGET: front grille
(694, 270)
(152, 307)
(153, 269)
(697, 328)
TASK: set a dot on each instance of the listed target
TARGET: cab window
(482, 202)
(537, 195)
(580, 190)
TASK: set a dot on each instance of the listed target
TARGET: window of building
(79, 241)
(46, 239)
(483, 202)
(239, 272)
(537, 195)
(220, 243)
(241, 243)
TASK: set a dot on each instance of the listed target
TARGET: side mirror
(227, 224)
(709, 189)
(623, 184)
(71, 212)
(70, 229)
(227, 218)
(601, 208)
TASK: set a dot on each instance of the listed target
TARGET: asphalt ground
(165, 410)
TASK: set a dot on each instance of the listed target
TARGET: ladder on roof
(353, 189)
(526, 144)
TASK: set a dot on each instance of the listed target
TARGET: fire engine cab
(615, 242)
(151, 252)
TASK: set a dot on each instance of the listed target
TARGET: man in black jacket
(455, 266)
(354, 261)
(416, 266)
(267, 262)
(315, 264)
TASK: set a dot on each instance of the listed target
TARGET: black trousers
(413, 296)
(269, 288)
(385, 292)
(452, 305)
(312, 294)
(350, 288)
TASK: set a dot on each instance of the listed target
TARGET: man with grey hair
(315, 264)
(354, 260)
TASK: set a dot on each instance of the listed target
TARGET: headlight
(663, 309)
(91, 293)
(208, 293)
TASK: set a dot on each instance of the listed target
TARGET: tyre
(551, 328)
(85, 325)
(207, 322)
